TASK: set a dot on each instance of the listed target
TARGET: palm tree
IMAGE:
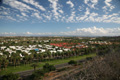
(49, 55)
(7, 54)
(5, 63)
(34, 66)
(15, 59)
(30, 58)
(53, 55)
(25, 59)
(18, 58)
(1, 61)
(40, 56)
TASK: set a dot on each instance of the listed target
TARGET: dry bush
(100, 68)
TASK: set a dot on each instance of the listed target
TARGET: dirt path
(55, 75)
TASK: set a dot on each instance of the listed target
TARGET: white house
(3, 47)
(53, 51)
(43, 50)
(60, 51)
(13, 47)
(66, 49)
(1, 53)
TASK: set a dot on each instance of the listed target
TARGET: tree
(49, 55)
(25, 59)
(34, 66)
(10, 76)
(1, 61)
(15, 59)
(40, 56)
(5, 63)
(48, 68)
(89, 58)
(7, 54)
(72, 62)
(37, 75)
(30, 58)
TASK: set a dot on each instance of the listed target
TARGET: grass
(53, 62)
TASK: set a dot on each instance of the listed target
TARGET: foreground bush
(72, 62)
(38, 74)
(34, 66)
(48, 68)
(101, 68)
(10, 76)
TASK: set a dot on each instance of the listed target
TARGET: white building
(60, 51)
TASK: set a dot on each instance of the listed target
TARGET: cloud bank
(90, 31)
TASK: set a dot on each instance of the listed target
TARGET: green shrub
(10, 76)
(89, 58)
(48, 68)
(72, 62)
(37, 75)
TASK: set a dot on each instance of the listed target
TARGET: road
(29, 72)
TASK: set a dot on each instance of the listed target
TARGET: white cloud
(10, 18)
(36, 4)
(23, 14)
(80, 8)
(94, 1)
(107, 2)
(36, 15)
(10, 14)
(18, 5)
(87, 11)
(83, 17)
(21, 17)
(8, 34)
(29, 10)
(56, 10)
(48, 17)
(108, 6)
(68, 27)
(94, 31)
(54, 6)
(114, 18)
(86, 1)
(72, 17)
(91, 3)
(28, 33)
(70, 3)
(61, 11)
(90, 31)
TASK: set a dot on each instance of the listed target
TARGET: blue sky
(60, 17)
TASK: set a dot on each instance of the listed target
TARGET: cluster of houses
(43, 48)
(99, 42)
(27, 49)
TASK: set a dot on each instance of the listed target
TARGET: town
(43, 46)
(19, 53)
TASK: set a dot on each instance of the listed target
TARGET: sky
(59, 17)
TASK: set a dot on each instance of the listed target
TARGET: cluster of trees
(106, 49)
(38, 74)
(16, 60)
(10, 76)
(72, 62)
(106, 67)
(3, 62)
